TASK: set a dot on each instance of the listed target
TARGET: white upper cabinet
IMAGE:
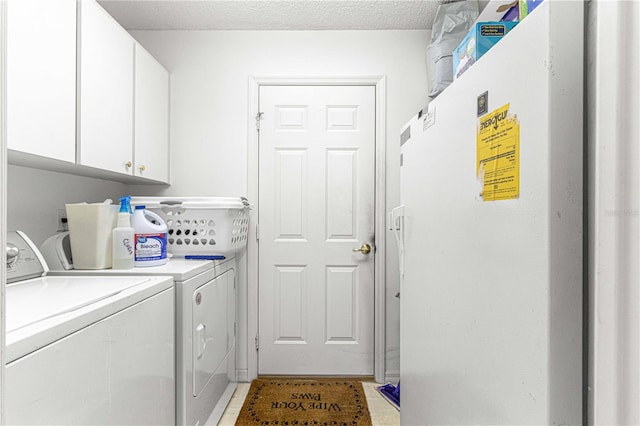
(106, 92)
(83, 97)
(41, 78)
(151, 118)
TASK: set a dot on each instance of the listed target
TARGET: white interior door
(316, 204)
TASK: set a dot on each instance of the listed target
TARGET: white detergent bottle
(150, 238)
(122, 249)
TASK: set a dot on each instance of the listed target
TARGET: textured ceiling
(273, 14)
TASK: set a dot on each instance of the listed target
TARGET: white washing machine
(86, 350)
(205, 293)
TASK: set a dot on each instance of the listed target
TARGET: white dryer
(86, 350)
(205, 306)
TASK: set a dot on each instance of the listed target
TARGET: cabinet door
(106, 91)
(41, 78)
(151, 118)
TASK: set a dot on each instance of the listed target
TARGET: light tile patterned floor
(381, 411)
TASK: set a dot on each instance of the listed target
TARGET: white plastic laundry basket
(201, 227)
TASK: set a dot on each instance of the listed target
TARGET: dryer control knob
(12, 254)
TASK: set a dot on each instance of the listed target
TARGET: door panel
(317, 177)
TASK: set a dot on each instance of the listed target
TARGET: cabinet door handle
(128, 164)
(142, 168)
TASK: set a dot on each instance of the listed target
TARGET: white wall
(209, 108)
(35, 196)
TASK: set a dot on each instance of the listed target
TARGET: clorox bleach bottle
(150, 238)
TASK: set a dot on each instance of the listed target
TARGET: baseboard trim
(242, 375)
(392, 377)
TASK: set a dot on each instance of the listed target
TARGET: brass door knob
(364, 249)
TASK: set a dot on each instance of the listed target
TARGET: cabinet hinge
(258, 118)
(257, 342)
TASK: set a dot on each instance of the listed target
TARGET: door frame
(3, 192)
(379, 82)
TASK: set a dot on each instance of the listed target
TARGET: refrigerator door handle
(397, 224)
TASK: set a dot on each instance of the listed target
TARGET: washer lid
(42, 310)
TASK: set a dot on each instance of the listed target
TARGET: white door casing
(3, 188)
(317, 181)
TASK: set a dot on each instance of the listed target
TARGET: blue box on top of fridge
(525, 7)
(480, 38)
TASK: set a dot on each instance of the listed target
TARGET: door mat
(306, 402)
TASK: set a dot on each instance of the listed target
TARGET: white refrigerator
(490, 235)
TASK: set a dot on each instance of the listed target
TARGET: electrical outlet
(62, 220)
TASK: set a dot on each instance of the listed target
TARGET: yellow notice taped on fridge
(498, 155)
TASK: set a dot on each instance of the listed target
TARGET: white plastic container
(150, 238)
(90, 233)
